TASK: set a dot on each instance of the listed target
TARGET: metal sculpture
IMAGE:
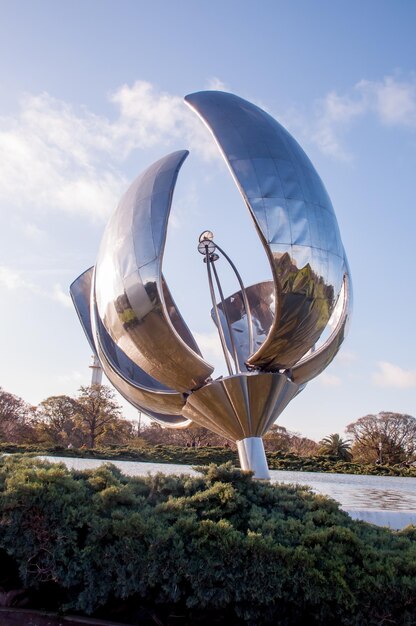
(269, 331)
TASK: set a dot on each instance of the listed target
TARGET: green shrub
(220, 544)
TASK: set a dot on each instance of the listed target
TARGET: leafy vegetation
(219, 548)
(334, 445)
(384, 438)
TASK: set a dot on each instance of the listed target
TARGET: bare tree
(302, 446)
(15, 417)
(278, 438)
(196, 436)
(193, 436)
(385, 438)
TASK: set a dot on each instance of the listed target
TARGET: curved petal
(240, 406)
(261, 300)
(293, 216)
(143, 392)
(129, 287)
(315, 363)
(80, 291)
(144, 400)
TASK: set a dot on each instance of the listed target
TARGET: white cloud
(394, 101)
(390, 375)
(12, 279)
(61, 296)
(56, 157)
(390, 100)
(329, 380)
(53, 158)
(346, 356)
(28, 229)
(217, 84)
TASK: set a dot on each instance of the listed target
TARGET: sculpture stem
(253, 457)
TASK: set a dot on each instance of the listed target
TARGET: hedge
(219, 548)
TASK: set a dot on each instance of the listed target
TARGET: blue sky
(91, 93)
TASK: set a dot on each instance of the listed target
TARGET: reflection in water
(388, 493)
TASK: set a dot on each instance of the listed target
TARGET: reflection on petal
(294, 218)
(241, 406)
(133, 300)
(315, 363)
(143, 392)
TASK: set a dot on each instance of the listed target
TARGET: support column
(253, 457)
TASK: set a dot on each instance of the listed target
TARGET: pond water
(385, 500)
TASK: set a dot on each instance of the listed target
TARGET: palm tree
(334, 445)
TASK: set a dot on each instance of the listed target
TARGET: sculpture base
(253, 457)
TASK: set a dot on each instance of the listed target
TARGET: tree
(334, 445)
(193, 436)
(99, 417)
(15, 415)
(385, 437)
(55, 421)
(283, 440)
(302, 446)
(278, 438)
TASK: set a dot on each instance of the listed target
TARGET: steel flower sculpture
(269, 330)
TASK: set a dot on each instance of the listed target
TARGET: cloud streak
(391, 101)
(390, 375)
(12, 280)
(55, 157)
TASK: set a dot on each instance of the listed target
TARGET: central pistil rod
(208, 249)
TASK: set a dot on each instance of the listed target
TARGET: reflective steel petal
(294, 218)
(138, 388)
(261, 299)
(80, 291)
(241, 406)
(130, 291)
(315, 363)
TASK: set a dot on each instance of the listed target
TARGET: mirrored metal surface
(261, 301)
(314, 364)
(293, 215)
(129, 288)
(270, 329)
(80, 291)
(137, 387)
(240, 406)
(253, 457)
(144, 400)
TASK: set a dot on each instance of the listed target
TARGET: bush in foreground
(220, 548)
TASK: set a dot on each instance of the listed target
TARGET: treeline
(213, 454)
(93, 419)
(218, 548)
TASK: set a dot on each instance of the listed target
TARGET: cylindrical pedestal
(253, 457)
